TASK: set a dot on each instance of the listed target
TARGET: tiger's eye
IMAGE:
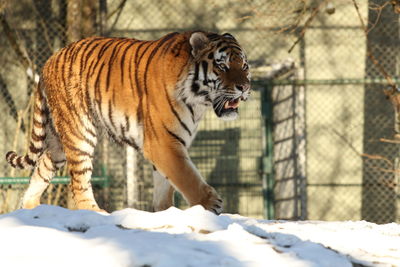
(223, 67)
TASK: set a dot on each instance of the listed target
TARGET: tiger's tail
(38, 135)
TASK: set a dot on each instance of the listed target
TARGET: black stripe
(223, 49)
(77, 150)
(89, 142)
(39, 112)
(76, 162)
(69, 104)
(195, 87)
(135, 63)
(127, 124)
(177, 115)
(97, 90)
(81, 172)
(123, 60)
(11, 156)
(110, 115)
(115, 51)
(196, 71)
(90, 132)
(132, 143)
(190, 108)
(64, 58)
(76, 124)
(104, 48)
(204, 64)
(29, 161)
(37, 123)
(73, 131)
(34, 150)
(83, 45)
(202, 93)
(114, 137)
(90, 70)
(213, 36)
(220, 43)
(180, 140)
(143, 89)
(152, 54)
(166, 93)
(41, 176)
(149, 60)
(123, 131)
(38, 138)
(57, 65)
(137, 82)
(59, 161)
(70, 61)
(88, 56)
(19, 163)
(52, 169)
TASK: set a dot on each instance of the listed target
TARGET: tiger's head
(220, 76)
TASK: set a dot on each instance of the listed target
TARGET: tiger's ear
(228, 35)
(198, 41)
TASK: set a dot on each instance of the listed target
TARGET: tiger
(150, 95)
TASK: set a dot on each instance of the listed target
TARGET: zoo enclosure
(312, 143)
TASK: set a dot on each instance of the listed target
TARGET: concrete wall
(335, 48)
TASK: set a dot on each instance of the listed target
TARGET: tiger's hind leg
(163, 194)
(49, 162)
(41, 177)
(79, 148)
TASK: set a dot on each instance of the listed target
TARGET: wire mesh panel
(33, 31)
(350, 154)
(350, 168)
(289, 156)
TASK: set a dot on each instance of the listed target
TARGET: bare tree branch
(387, 76)
(307, 24)
(13, 40)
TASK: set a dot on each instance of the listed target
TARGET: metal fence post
(267, 158)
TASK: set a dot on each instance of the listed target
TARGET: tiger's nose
(243, 87)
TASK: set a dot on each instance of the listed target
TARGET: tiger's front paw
(211, 200)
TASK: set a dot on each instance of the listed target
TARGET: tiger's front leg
(163, 193)
(172, 161)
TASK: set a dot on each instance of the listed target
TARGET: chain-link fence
(314, 141)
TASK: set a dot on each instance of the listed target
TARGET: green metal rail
(103, 181)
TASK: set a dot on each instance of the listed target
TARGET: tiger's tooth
(226, 106)
(232, 104)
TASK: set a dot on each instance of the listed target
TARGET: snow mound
(54, 236)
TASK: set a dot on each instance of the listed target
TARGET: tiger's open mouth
(233, 104)
(228, 110)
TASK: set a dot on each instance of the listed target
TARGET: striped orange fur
(150, 95)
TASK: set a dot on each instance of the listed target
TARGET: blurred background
(317, 140)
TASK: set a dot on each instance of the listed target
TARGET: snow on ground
(53, 236)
